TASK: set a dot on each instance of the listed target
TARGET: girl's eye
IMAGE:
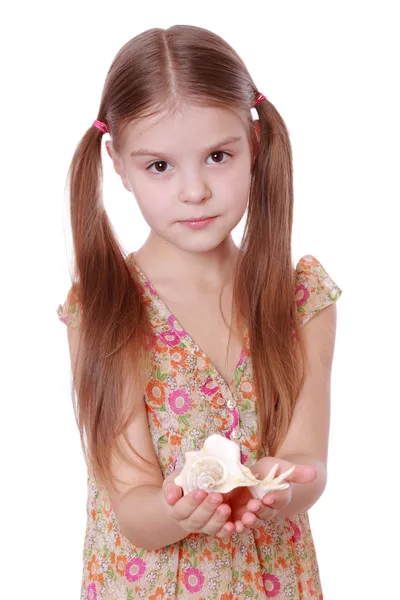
(159, 163)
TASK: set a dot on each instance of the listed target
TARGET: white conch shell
(271, 483)
(215, 468)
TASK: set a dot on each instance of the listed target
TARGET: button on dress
(187, 400)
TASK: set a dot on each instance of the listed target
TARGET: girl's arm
(152, 513)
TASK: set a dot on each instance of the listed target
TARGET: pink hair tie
(102, 126)
(259, 99)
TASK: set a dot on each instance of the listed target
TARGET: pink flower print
(243, 457)
(208, 391)
(150, 288)
(271, 585)
(91, 593)
(135, 569)
(296, 532)
(171, 338)
(241, 359)
(173, 323)
(179, 401)
(235, 421)
(302, 294)
(194, 579)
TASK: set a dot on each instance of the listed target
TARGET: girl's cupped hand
(249, 512)
(237, 511)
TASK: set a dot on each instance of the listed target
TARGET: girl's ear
(118, 166)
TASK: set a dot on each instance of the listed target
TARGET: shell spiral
(207, 473)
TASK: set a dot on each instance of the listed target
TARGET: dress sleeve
(315, 289)
(70, 312)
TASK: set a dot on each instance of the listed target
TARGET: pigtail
(265, 280)
(115, 327)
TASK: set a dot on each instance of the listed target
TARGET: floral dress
(187, 400)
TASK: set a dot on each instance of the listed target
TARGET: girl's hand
(248, 512)
(274, 501)
(197, 512)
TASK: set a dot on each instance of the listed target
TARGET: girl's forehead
(199, 121)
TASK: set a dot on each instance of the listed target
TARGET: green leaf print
(162, 440)
(183, 419)
(195, 562)
(182, 345)
(140, 554)
(110, 573)
(270, 568)
(129, 596)
(249, 593)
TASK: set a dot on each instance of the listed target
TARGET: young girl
(191, 335)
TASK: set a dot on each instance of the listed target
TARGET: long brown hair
(161, 69)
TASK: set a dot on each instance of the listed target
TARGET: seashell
(271, 483)
(215, 468)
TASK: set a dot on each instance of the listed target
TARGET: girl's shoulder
(315, 288)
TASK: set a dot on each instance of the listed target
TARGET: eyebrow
(228, 140)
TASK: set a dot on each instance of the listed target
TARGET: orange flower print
(175, 440)
(94, 568)
(207, 554)
(226, 596)
(122, 559)
(221, 422)
(178, 355)
(156, 392)
(281, 562)
(158, 594)
(248, 575)
(311, 590)
(247, 389)
(249, 558)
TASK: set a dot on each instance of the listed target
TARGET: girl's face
(182, 166)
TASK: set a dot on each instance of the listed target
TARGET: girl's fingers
(218, 520)
(251, 520)
(204, 512)
(227, 530)
(172, 493)
(188, 504)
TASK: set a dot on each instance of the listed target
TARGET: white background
(331, 70)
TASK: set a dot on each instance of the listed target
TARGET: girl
(191, 335)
